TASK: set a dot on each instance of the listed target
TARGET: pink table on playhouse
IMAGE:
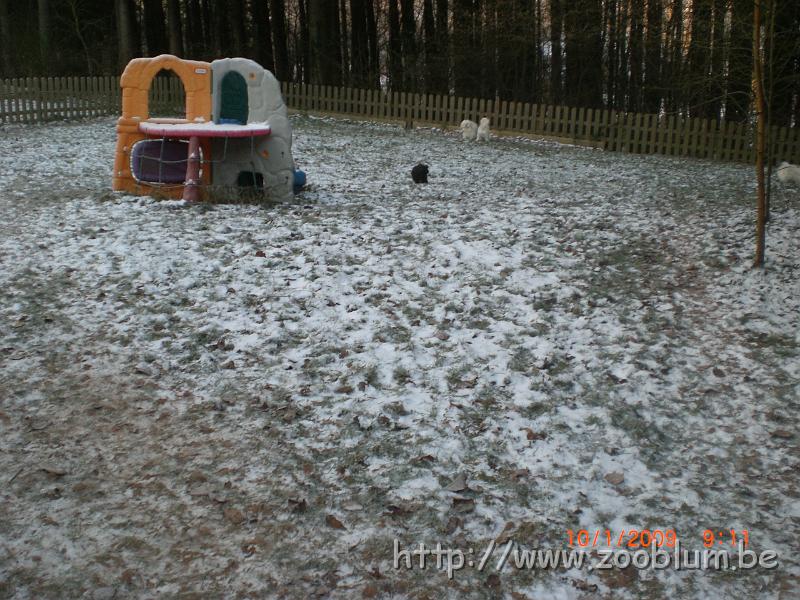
(193, 132)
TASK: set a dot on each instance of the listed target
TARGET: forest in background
(687, 57)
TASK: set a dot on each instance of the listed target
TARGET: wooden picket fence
(36, 100)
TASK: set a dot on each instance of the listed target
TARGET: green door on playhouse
(233, 106)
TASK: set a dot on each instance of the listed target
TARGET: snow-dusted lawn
(235, 400)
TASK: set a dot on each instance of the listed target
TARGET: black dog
(420, 173)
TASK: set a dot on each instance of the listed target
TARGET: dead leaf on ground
(534, 435)
(425, 458)
(520, 473)
(584, 586)
(53, 469)
(506, 534)
(459, 484)
(453, 523)
(234, 515)
(394, 510)
(48, 520)
(783, 434)
(201, 490)
(463, 505)
(332, 521)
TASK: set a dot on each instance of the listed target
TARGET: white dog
(483, 130)
(469, 130)
(788, 173)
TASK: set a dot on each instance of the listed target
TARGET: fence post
(3, 100)
(452, 115)
(531, 115)
(30, 108)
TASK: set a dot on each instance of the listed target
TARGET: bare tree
(278, 17)
(175, 27)
(124, 32)
(758, 89)
(5, 41)
(44, 35)
(153, 21)
(326, 61)
(262, 35)
(395, 47)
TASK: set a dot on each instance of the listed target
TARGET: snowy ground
(242, 401)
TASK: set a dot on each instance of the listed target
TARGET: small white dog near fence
(469, 130)
(788, 173)
(483, 130)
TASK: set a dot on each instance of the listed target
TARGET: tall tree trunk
(175, 27)
(483, 53)
(124, 32)
(344, 42)
(636, 59)
(758, 88)
(431, 48)
(219, 27)
(556, 28)
(6, 66)
(372, 47)
(236, 25)
(210, 31)
(514, 31)
(359, 51)
(652, 61)
(153, 27)
(740, 64)
(78, 28)
(623, 54)
(611, 53)
(486, 29)
(44, 36)
(699, 59)
(278, 15)
(582, 26)
(263, 36)
(442, 64)
(195, 38)
(783, 61)
(408, 34)
(395, 47)
(674, 71)
(305, 40)
(717, 78)
(533, 91)
(326, 61)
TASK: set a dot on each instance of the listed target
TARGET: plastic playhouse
(236, 134)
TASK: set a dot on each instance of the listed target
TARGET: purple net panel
(159, 161)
